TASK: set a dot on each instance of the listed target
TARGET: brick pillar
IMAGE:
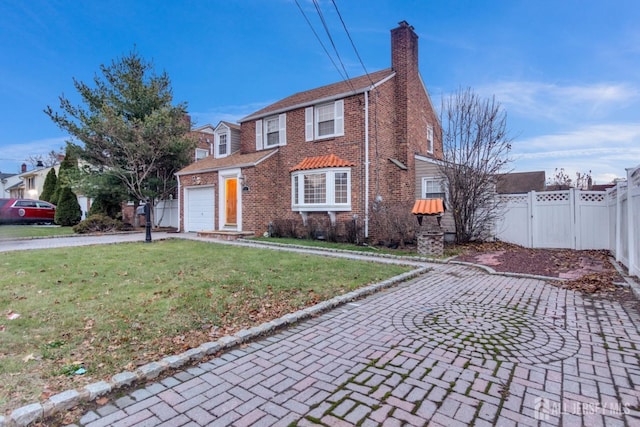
(430, 237)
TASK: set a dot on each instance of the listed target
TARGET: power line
(351, 40)
(335, 49)
(320, 41)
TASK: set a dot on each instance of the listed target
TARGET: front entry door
(231, 201)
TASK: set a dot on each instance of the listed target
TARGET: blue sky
(567, 72)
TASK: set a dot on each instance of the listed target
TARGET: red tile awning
(329, 161)
(428, 207)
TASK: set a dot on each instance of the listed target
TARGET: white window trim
(330, 204)
(430, 139)
(311, 121)
(443, 183)
(261, 132)
(216, 143)
(201, 150)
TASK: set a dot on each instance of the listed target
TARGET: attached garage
(199, 209)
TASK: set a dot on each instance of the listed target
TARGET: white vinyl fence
(166, 213)
(571, 219)
(577, 219)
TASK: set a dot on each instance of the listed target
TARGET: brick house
(326, 155)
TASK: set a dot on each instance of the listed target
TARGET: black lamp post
(147, 217)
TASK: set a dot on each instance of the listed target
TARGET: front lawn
(109, 308)
(22, 231)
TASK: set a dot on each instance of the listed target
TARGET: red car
(26, 211)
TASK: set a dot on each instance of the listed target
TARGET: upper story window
(324, 120)
(201, 153)
(31, 183)
(321, 190)
(221, 144)
(429, 139)
(271, 132)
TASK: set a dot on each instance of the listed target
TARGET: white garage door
(200, 209)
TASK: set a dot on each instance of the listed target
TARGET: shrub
(395, 223)
(98, 223)
(49, 186)
(283, 228)
(68, 210)
(106, 206)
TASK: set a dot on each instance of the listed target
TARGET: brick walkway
(454, 347)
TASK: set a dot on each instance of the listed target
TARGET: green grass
(101, 307)
(22, 231)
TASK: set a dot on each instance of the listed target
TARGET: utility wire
(320, 41)
(352, 43)
(335, 49)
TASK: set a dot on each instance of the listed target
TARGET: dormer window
(222, 142)
(222, 145)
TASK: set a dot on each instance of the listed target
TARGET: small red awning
(320, 162)
(428, 207)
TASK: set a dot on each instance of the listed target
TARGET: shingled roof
(309, 97)
(520, 182)
(210, 163)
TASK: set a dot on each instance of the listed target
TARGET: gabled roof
(332, 91)
(229, 125)
(210, 164)
(6, 175)
(320, 162)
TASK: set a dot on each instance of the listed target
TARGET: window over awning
(321, 162)
(428, 207)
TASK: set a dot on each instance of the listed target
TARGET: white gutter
(366, 164)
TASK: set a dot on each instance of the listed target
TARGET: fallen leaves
(12, 315)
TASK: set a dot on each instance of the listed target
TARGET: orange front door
(231, 201)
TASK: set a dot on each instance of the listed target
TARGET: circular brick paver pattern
(500, 333)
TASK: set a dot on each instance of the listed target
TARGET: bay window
(321, 190)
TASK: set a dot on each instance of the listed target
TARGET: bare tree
(476, 148)
(561, 181)
(52, 158)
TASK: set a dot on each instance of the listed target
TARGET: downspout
(366, 164)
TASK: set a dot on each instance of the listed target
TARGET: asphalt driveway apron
(454, 347)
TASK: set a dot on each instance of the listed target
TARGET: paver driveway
(455, 346)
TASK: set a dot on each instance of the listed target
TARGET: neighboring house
(7, 180)
(327, 154)
(520, 182)
(31, 182)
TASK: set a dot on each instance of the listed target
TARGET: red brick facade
(398, 110)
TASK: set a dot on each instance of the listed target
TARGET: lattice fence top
(593, 197)
(552, 197)
(514, 198)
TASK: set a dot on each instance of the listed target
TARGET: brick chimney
(404, 61)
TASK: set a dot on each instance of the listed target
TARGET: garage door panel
(200, 209)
